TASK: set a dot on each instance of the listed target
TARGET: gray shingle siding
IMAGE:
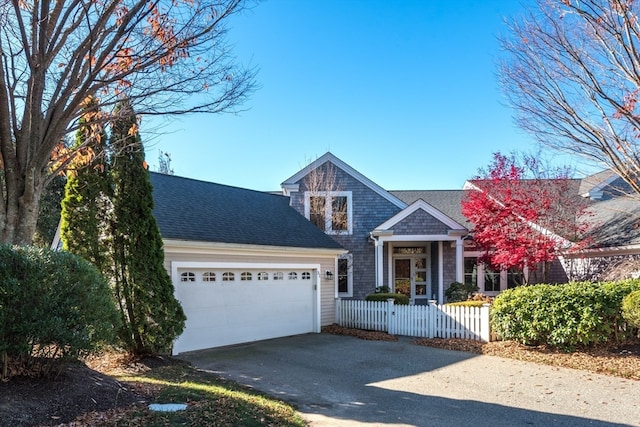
(419, 222)
(369, 210)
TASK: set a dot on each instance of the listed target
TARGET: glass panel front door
(410, 275)
(402, 276)
(420, 289)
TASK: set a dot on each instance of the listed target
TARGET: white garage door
(227, 306)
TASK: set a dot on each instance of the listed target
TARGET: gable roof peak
(292, 181)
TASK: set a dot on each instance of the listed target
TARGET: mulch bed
(58, 399)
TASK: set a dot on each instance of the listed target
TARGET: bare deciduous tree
(572, 73)
(56, 54)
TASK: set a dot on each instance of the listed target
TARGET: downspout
(375, 256)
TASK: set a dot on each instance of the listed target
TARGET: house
(249, 265)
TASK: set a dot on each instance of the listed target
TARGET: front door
(410, 276)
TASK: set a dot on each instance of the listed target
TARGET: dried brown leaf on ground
(358, 333)
(621, 360)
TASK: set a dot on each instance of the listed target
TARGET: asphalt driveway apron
(344, 381)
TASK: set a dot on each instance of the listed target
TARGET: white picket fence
(428, 321)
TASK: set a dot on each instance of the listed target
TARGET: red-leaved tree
(524, 214)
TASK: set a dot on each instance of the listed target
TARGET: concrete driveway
(345, 381)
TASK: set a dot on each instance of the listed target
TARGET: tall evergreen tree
(85, 206)
(152, 316)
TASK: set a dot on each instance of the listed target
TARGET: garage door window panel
(263, 275)
(246, 276)
(188, 276)
(228, 276)
(279, 275)
(208, 276)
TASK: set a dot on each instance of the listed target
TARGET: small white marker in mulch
(168, 407)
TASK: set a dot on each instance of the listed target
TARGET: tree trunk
(22, 202)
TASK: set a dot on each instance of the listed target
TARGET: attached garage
(236, 303)
(244, 264)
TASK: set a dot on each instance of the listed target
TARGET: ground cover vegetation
(116, 389)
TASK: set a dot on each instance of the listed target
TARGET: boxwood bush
(398, 298)
(53, 306)
(562, 316)
(631, 309)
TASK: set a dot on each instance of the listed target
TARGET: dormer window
(330, 211)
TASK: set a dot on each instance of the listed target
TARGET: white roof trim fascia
(596, 191)
(193, 246)
(329, 157)
(602, 252)
(287, 189)
(420, 205)
(418, 238)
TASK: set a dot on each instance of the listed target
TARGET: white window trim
(349, 293)
(328, 209)
(502, 275)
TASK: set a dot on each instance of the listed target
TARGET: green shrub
(562, 315)
(459, 291)
(631, 309)
(398, 298)
(53, 306)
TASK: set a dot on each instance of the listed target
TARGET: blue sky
(404, 91)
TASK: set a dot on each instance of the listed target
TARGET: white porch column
(379, 262)
(440, 273)
(459, 260)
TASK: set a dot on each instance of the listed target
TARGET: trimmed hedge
(53, 305)
(562, 316)
(400, 299)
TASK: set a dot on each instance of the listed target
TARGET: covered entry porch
(419, 252)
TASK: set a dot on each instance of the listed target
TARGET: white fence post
(390, 316)
(339, 311)
(485, 328)
(433, 311)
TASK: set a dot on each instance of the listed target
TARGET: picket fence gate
(427, 321)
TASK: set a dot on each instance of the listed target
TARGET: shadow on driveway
(342, 381)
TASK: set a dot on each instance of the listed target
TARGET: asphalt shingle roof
(188, 209)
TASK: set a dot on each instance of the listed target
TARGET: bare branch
(572, 73)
